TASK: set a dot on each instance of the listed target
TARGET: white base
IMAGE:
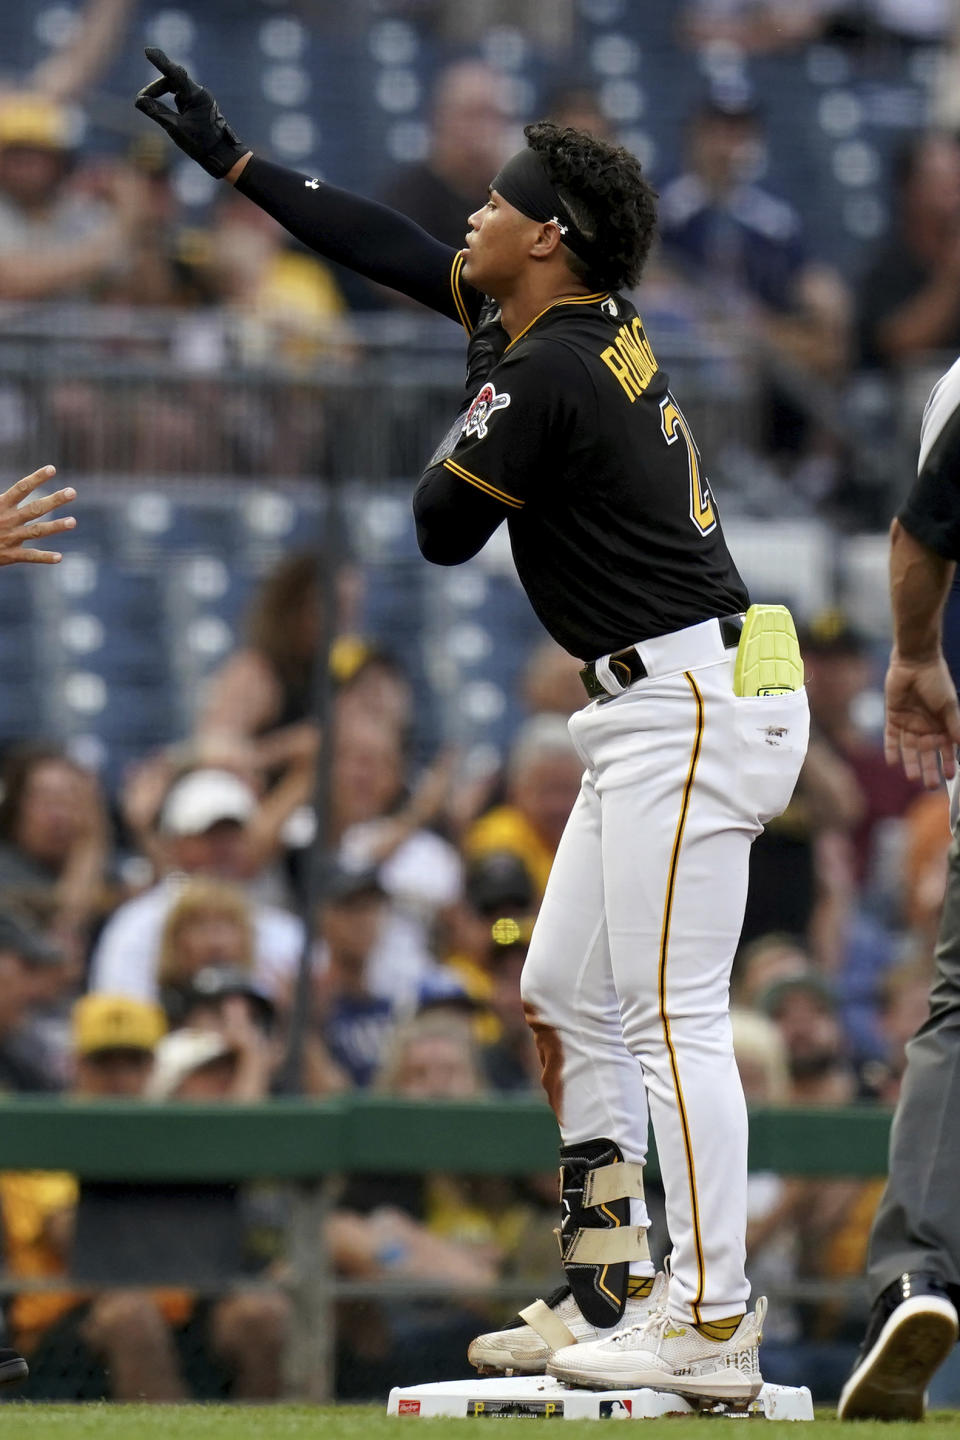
(541, 1396)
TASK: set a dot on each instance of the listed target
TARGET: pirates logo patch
(482, 408)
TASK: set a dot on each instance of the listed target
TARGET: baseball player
(21, 520)
(693, 736)
(914, 1256)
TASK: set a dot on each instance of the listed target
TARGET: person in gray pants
(914, 1257)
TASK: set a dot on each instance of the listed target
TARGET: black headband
(523, 182)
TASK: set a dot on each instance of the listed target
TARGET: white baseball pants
(626, 984)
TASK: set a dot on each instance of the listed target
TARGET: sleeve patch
(487, 402)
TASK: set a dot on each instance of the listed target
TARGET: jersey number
(675, 428)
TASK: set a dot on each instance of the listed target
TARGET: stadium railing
(310, 1144)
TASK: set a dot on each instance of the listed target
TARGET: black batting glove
(196, 125)
(488, 341)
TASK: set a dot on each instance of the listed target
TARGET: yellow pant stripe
(664, 1019)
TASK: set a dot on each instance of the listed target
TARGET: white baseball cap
(203, 798)
(178, 1055)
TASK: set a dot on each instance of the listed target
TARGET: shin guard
(597, 1241)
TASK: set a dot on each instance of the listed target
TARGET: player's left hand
(923, 719)
(488, 341)
(21, 519)
(197, 125)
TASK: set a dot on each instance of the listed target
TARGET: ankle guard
(597, 1241)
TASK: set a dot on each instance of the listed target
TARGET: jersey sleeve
(931, 512)
(511, 431)
(365, 236)
(499, 455)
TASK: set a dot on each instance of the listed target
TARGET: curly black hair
(608, 197)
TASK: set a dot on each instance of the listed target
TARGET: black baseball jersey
(577, 439)
(574, 437)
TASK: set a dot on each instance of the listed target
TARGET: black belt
(627, 666)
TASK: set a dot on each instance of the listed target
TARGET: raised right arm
(367, 237)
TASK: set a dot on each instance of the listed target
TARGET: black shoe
(13, 1367)
(912, 1329)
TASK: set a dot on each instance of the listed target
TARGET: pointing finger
(163, 63)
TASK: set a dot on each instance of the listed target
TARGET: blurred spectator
(909, 297)
(543, 781)
(353, 1023)
(764, 963)
(786, 1218)
(460, 1232)
(167, 263)
(378, 823)
(551, 681)
(804, 1009)
(773, 1242)
(69, 70)
(263, 692)
(209, 924)
(371, 681)
(216, 993)
(287, 300)
(55, 843)
(838, 673)
(905, 23)
(132, 1344)
(904, 1004)
(468, 144)
(54, 241)
(203, 833)
(496, 884)
(578, 106)
(27, 963)
(511, 1062)
(547, 28)
(487, 934)
(753, 26)
(744, 247)
(763, 26)
(230, 1063)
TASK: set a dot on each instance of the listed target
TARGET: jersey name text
(630, 359)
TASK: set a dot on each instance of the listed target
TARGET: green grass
(368, 1422)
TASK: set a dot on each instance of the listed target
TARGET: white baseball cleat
(524, 1347)
(668, 1354)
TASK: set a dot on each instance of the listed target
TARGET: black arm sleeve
(454, 520)
(367, 237)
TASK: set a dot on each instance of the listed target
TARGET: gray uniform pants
(917, 1226)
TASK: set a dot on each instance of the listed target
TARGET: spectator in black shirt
(467, 143)
(28, 1063)
(909, 298)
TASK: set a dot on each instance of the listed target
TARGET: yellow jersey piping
(455, 269)
(485, 485)
(574, 300)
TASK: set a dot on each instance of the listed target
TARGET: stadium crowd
(151, 933)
